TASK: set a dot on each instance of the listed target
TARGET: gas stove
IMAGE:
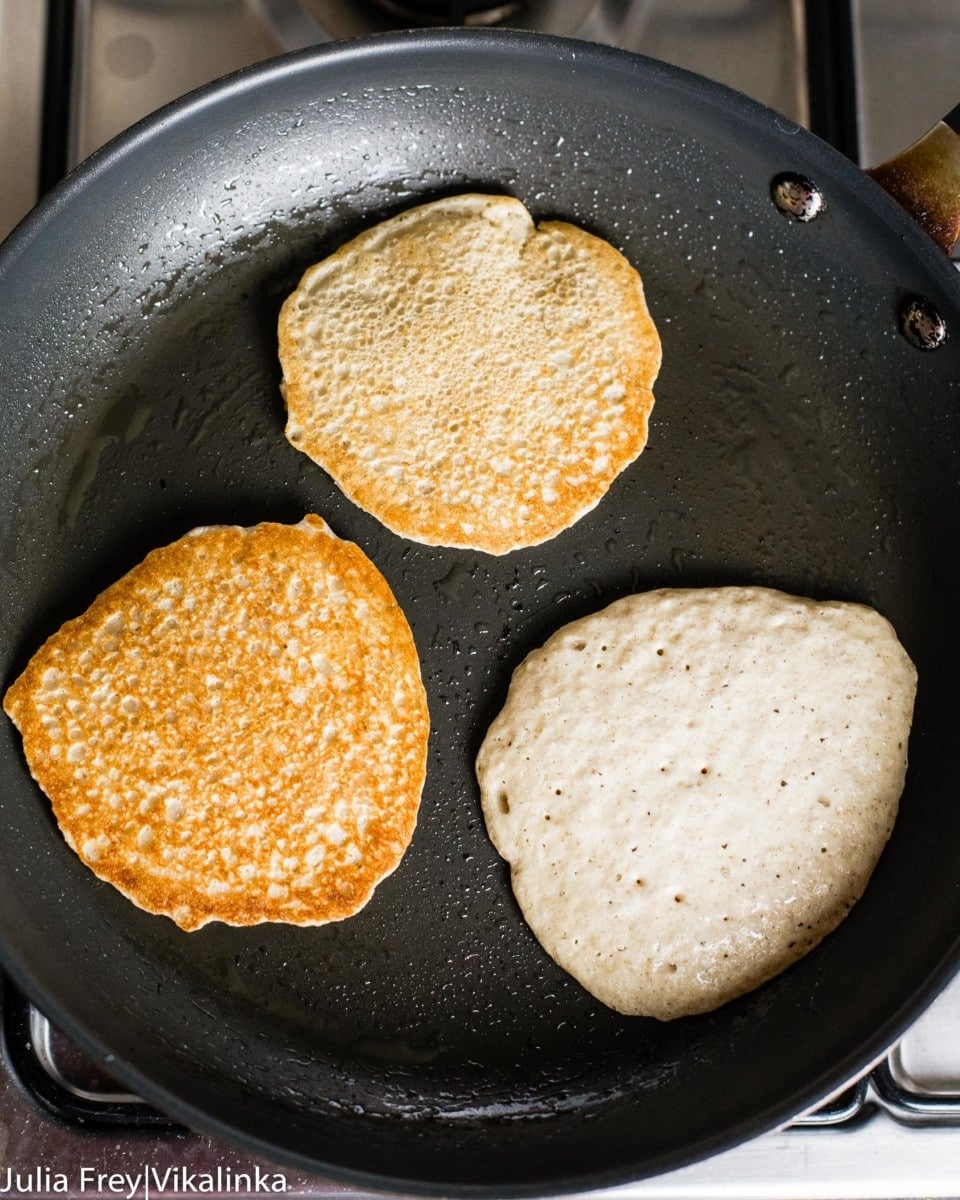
(75, 72)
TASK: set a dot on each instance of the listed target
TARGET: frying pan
(428, 1045)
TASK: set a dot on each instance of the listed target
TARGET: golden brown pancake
(467, 377)
(236, 730)
(693, 786)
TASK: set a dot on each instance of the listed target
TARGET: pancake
(469, 378)
(236, 730)
(692, 787)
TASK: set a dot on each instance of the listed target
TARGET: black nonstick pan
(799, 440)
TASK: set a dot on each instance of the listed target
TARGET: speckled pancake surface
(236, 730)
(692, 787)
(469, 378)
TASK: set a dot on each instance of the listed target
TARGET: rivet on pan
(922, 325)
(797, 196)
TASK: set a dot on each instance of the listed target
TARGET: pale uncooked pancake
(236, 730)
(469, 378)
(692, 787)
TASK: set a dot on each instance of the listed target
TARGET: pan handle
(925, 180)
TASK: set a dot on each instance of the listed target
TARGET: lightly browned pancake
(467, 377)
(236, 730)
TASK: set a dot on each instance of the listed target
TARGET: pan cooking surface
(797, 441)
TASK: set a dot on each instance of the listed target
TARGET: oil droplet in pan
(123, 421)
(452, 584)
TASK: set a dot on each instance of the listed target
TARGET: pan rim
(508, 43)
(448, 40)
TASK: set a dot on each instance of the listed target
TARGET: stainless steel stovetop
(65, 1126)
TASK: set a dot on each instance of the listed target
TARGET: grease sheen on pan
(467, 377)
(692, 787)
(236, 730)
